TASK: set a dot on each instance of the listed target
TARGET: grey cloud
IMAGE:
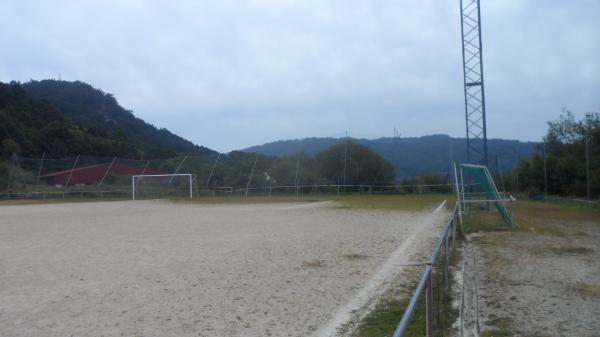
(229, 74)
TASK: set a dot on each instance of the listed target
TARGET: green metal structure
(484, 178)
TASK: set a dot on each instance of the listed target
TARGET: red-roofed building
(93, 174)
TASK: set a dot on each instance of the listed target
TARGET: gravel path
(160, 269)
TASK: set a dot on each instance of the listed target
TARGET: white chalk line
(439, 208)
(398, 257)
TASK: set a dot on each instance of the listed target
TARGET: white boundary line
(439, 207)
(400, 256)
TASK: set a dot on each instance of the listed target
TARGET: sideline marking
(439, 207)
(369, 292)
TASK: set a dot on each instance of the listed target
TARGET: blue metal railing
(425, 283)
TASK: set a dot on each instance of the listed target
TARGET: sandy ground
(534, 283)
(159, 269)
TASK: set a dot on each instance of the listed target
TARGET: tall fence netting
(213, 174)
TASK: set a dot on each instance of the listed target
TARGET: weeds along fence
(110, 177)
(429, 311)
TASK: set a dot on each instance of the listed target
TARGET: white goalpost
(135, 179)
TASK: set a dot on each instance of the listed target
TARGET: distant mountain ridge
(411, 155)
(100, 112)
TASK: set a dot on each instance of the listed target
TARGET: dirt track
(160, 269)
(544, 281)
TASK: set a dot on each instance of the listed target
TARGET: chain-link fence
(213, 174)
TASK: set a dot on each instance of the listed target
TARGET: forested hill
(410, 156)
(100, 113)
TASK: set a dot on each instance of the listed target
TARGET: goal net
(477, 186)
(154, 186)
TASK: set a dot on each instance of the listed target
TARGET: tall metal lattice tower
(470, 19)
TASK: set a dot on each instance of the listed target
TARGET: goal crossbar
(134, 177)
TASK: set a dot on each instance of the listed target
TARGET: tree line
(566, 163)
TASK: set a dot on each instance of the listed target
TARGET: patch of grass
(355, 256)
(69, 200)
(237, 199)
(494, 264)
(540, 217)
(541, 214)
(503, 327)
(571, 250)
(561, 250)
(483, 221)
(395, 202)
(313, 263)
(591, 290)
(384, 319)
(362, 201)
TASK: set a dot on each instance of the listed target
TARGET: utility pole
(587, 164)
(72, 169)
(345, 160)
(251, 174)
(499, 173)
(545, 169)
(516, 168)
(212, 170)
(37, 180)
(297, 168)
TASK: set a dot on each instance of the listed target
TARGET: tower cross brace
(470, 19)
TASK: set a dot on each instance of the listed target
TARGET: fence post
(37, 180)
(107, 171)
(429, 302)
(71, 172)
(133, 187)
(446, 262)
(453, 233)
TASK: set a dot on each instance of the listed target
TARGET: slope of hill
(32, 126)
(410, 156)
(93, 109)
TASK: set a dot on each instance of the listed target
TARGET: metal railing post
(429, 302)
(71, 172)
(453, 233)
(446, 262)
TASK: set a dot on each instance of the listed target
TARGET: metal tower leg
(473, 80)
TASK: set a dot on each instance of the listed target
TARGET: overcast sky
(231, 74)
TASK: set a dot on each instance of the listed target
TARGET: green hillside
(100, 112)
(33, 126)
(410, 155)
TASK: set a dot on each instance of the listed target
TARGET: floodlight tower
(470, 19)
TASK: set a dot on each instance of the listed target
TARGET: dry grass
(542, 214)
(503, 327)
(363, 201)
(355, 256)
(591, 290)
(313, 263)
(560, 250)
(395, 202)
(571, 250)
(16, 202)
(539, 217)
